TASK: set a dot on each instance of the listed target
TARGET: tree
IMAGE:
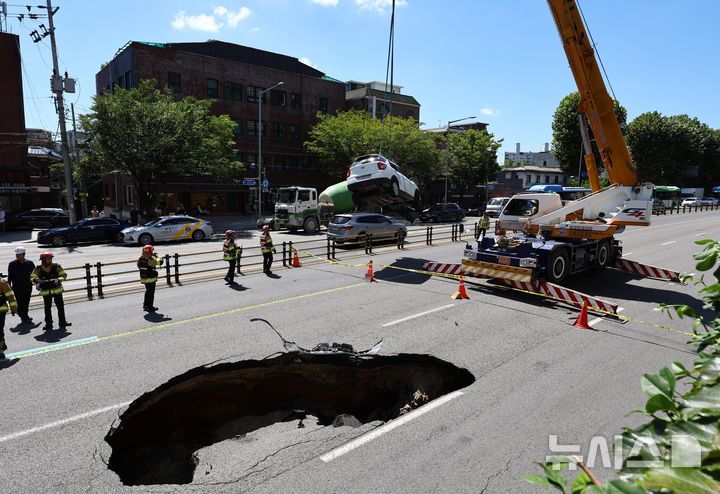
(567, 145)
(338, 139)
(147, 135)
(473, 158)
(675, 150)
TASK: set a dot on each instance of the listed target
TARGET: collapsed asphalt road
(158, 435)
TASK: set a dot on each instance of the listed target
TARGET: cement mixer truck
(302, 208)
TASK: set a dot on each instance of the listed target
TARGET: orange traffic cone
(296, 260)
(369, 276)
(582, 320)
(461, 292)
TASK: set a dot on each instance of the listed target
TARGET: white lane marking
(668, 243)
(627, 254)
(701, 233)
(398, 321)
(598, 319)
(62, 422)
(387, 427)
(51, 348)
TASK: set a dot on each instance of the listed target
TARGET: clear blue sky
(500, 60)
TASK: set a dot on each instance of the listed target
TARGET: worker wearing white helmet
(19, 272)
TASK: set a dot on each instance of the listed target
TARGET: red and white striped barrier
(566, 295)
(647, 270)
(444, 268)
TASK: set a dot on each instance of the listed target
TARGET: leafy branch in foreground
(678, 449)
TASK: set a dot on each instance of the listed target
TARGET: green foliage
(683, 411)
(663, 148)
(472, 157)
(567, 144)
(338, 139)
(146, 134)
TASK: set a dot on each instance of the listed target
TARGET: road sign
(266, 184)
(490, 187)
(249, 182)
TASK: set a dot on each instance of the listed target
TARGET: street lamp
(447, 156)
(260, 133)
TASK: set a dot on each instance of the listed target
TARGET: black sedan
(443, 212)
(43, 218)
(87, 230)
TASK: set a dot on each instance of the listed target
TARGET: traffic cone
(369, 276)
(296, 260)
(582, 320)
(461, 292)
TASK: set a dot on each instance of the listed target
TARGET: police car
(168, 228)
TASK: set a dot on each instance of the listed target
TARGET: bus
(567, 194)
(668, 194)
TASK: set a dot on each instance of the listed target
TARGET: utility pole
(57, 87)
(83, 192)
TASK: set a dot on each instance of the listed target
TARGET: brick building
(233, 75)
(24, 180)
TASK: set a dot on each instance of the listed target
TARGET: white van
(495, 206)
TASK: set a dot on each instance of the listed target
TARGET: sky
(500, 61)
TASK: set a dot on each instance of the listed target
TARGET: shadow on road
(273, 276)
(24, 327)
(237, 287)
(4, 364)
(156, 317)
(53, 336)
(391, 273)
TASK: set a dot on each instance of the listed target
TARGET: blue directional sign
(250, 182)
(265, 184)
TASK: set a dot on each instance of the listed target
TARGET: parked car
(168, 228)
(448, 211)
(353, 227)
(690, 201)
(268, 220)
(658, 206)
(476, 210)
(87, 230)
(373, 173)
(496, 205)
(709, 201)
(42, 218)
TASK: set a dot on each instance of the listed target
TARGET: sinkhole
(156, 438)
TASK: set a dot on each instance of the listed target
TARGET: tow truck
(539, 241)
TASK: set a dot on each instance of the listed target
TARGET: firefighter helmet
(266, 228)
(229, 233)
(148, 249)
(46, 254)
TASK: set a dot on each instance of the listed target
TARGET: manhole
(157, 436)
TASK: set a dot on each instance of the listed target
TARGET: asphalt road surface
(535, 374)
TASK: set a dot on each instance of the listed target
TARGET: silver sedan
(353, 227)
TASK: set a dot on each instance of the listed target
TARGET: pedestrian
(483, 225)
(181, 209)
(148, 275)
(6, 298)
(19, 273)
(2, 219)
(267, 249)
(94, 213)
(230, 255)
(46, 277)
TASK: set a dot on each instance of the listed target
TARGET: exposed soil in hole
(159, 433)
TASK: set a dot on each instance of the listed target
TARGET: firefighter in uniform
(230, 251)
(267, 249)
(46, 278)
(6, 297)
(148, 275)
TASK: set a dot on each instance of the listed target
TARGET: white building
(541, 158)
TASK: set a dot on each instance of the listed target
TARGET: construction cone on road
(369, 276)
(461, 292)
(296, 260)
(582, 320)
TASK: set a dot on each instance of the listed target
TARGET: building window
(174, 82)
(212, 88)
(383, 110)
(537, 179)
(130, 194)
(278, 98)
(557, 178)
(253, 128)
(238, 126)
(253, 94)
(295, 132)
(528, 178)
(232, 91)
(409, 114)
(323, 105)
(279, 130)
(128, 79)
(295, 100)
(547, 179)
